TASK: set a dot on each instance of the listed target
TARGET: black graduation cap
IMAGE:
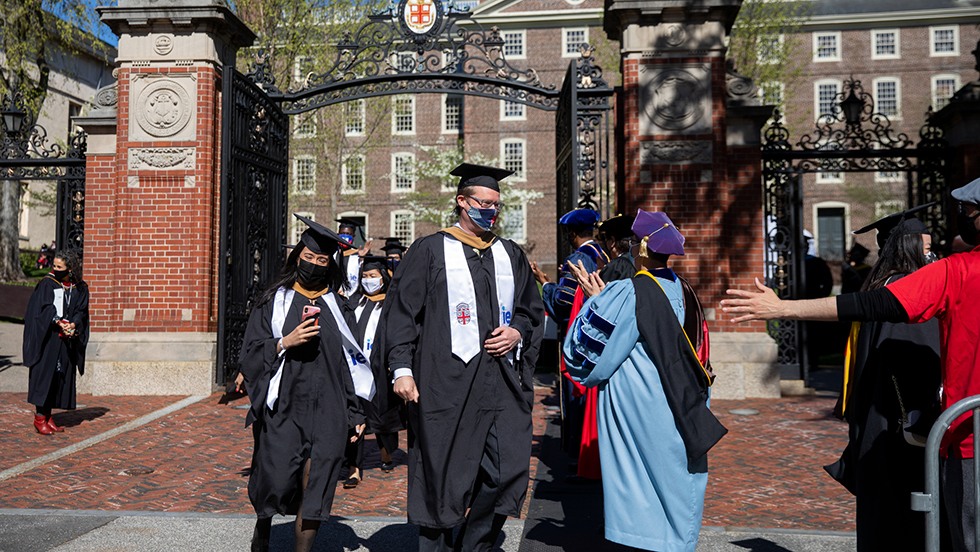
(886, 225)
(374, 262)
(618, 227)
(320, 239)
(393, 245)
(353, 224)
(479, 175)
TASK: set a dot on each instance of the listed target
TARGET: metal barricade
(928, 501)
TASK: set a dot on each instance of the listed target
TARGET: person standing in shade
(615, 235)
(394, 250)
(304, 372)
(462, 331)
(947, 290)
(56, 333)
(349, 231)
(384, 418)
(636, 339)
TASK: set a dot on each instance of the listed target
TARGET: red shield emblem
(463, 313)
(419, 15)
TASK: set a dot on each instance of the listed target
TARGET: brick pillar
(152, 191)
(691, 149)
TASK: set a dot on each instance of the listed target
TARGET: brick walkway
(765, 473)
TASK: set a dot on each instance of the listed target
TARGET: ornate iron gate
(28, 154)
(854, 139)
(254, 152)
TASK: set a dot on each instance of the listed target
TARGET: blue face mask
(484, 218)
(347, 237)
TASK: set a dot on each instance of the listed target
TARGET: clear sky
(101, 31)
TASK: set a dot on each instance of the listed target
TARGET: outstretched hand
(590, 282)
(759, 304)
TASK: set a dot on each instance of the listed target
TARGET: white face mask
(371, 285)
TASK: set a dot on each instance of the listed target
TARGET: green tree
(33, 33)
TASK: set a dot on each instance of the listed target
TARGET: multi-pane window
(305, 127)
(943, 88)
(452, 113)
(513, 222)
(772, 93)
(887, 98)
(512, 110)
(514, 44)
(304, 174)
(826, 47)
(830, 233)
(403, 226)
(888, 207)
(826, 177)
(572, 40)
(514, 155)
(768, 48)
(402, 172)
(944, 41)
(826, 96)
(403, 115)
(354, 117)
(302, 66)
(298, 226)
(884, 44)
(352, 174)
(405, 62)
(888, 176)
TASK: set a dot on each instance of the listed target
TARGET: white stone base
(745, 366)
(149, 363)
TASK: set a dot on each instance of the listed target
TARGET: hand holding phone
(311, 311)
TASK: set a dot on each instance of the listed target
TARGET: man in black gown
(463, 355)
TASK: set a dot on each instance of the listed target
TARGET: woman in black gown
(302, 386)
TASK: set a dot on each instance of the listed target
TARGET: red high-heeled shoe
(54, 426)
(41, 424)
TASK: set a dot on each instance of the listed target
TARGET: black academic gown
(53, 359)
(386, 412)
(315, 409)
(459, 402)
(877, 465)
(619, 268)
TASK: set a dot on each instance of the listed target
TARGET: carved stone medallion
(163, 44)
(674, 99)
(163, 108)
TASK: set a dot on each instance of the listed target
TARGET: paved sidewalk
(166, 473)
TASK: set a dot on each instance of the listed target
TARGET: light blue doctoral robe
(651, 500)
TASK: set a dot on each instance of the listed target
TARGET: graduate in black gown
(56, 333)
(368, 327)
(463, 355)
(893, 373)
(304, 389)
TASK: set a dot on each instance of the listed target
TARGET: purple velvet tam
(662, 236)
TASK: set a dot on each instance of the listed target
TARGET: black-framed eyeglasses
(486, 203)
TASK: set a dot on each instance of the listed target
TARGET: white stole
(462, 296)
(359, 367)
(59, 301)
(353, 272)
(367, 344)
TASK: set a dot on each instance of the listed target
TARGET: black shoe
(387, 467)
(351, 482)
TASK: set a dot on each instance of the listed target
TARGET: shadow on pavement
(73, 418)
(760, 545)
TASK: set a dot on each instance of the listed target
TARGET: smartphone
(311, 311)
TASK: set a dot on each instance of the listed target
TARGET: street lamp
(852, 106)
(13, 118)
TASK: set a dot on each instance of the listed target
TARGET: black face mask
(312, 276)
(60, 275)
(967, 228)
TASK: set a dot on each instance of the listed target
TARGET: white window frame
(816, 51)
(956, 40)
(888, 207)
(296, 163)
(354, 214)
(394, 215)
(875, 33)
(298, 74)
(564, 40)
(344, 188)
(523, 35)
(884, 176)
(310, 120)
(817, 115)
(361, 108)
(780, 40)
(847, 223)
(522, 209)
(394, 115)
(520, 176)
(447, 57)
(398, 60)
(503, 111)
(298, 226)
(934, 88)
(898, 96)
(445, 113)
(394, 171)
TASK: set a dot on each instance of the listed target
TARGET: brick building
(909, 56)
(376, 166)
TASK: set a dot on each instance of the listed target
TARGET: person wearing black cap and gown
(303, 387)
(616, 233)
(394, 250)
(463, 355)
(349, 230)
(892, 376)
(368, 327)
